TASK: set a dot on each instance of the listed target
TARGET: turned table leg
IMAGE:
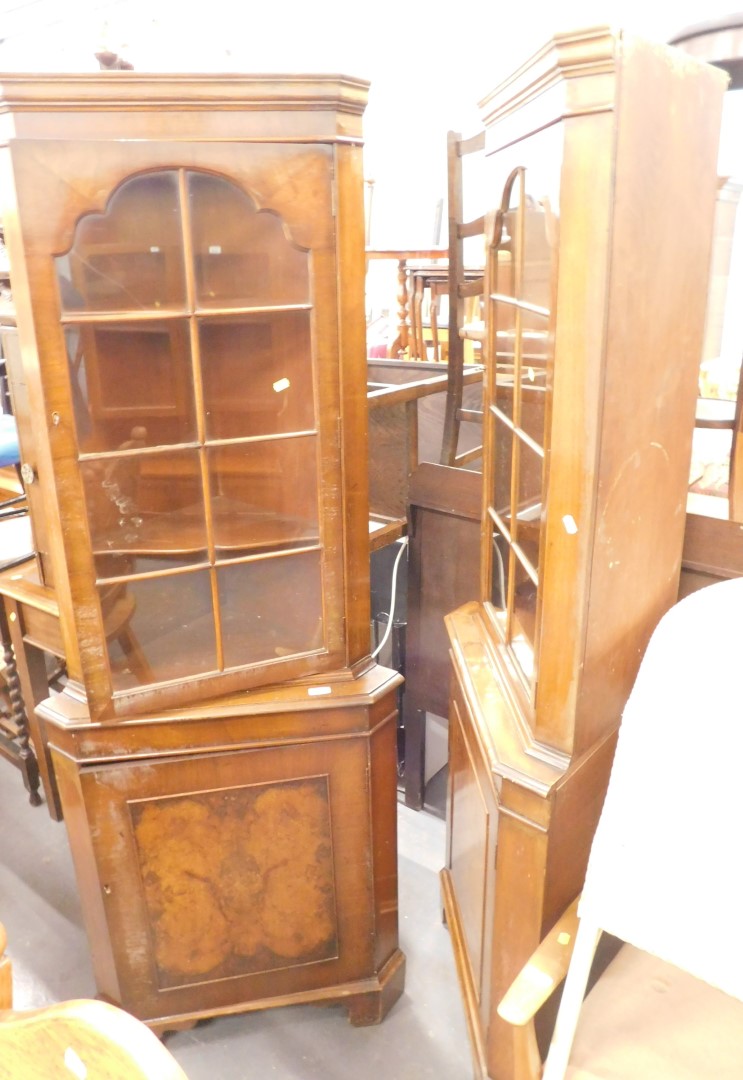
(34, 683)
(26, 758)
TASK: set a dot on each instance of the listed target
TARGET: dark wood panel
(713, 546)
(443, 572)
(406, 423)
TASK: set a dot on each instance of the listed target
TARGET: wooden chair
(6, 973)
(13, 501)
(404, 341)
(463, 287)
(84, 1039)
(722, 414)
(663, 873)
(9, 452)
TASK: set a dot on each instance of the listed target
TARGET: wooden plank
(713, 546)
(446, 489)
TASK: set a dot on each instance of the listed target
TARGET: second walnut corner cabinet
(601, 153)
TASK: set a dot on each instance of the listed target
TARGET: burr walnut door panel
(232, 877)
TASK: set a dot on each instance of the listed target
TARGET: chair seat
(661, 852)
(9, 449)
(83, 1038)
(647, 1018)
(715, 413)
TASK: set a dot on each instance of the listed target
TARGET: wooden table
(402, 256)
(29, 622)
(15, 744)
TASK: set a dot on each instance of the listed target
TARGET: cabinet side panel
(354, 416)
(383, 808)
(580, 327)
(31, 375)
(520, 870)
(664, 202)
(576, 807)
(473, 816)
(82, 848)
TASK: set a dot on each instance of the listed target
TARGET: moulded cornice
(565, 56)
(132, 90)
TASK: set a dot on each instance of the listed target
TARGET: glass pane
(527, 529)
(501, 569)
(130, 256)
(503, 467)
(534, 385)
(159, 629)
(539, 249)
(271, 608)
(142, 507)
(523, 268)
(504, 316)
(523, 623)
(264, 496)
(132, 385)
(504, 266)
(242, 256)
(257, 375)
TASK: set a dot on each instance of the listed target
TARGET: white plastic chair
(664, 874)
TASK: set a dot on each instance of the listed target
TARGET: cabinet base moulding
(367, 1001)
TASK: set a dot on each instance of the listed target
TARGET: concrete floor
(423, 1038)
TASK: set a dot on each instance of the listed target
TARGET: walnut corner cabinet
(602, 156)
(187, 266)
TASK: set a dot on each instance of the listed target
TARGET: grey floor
(423, 1038)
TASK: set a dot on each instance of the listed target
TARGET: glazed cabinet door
(521, 282)
(546, 287)
(190, 380)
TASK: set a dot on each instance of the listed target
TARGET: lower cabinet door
(242, 877)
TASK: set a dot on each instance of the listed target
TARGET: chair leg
(134, 655)
(6, 974)
(527, 1064)
(574, 991)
